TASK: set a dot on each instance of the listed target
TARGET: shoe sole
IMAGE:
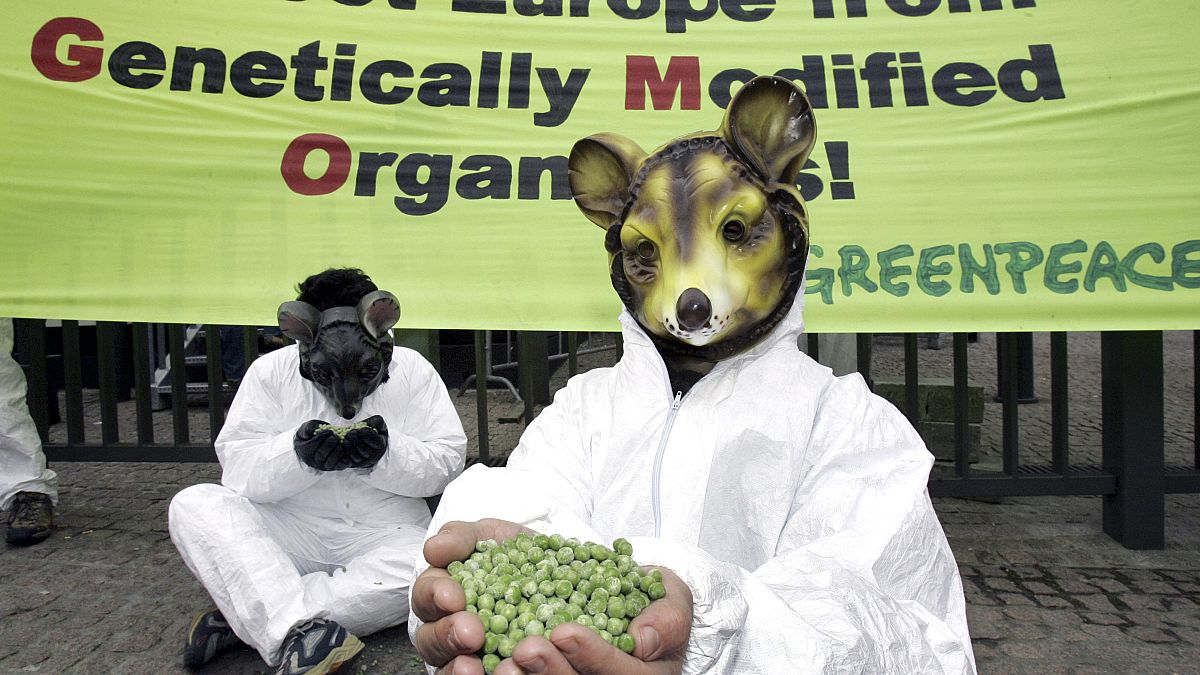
(22, 537)
(340, 656)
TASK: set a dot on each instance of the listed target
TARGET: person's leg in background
(28, 490)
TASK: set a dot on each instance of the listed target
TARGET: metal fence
(144, 368)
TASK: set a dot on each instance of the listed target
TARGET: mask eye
(734, 231)
(645, 250)
(368, 371)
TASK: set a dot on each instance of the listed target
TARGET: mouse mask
(344, 351)
(707, 236)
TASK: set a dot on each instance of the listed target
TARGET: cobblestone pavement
(1047, 592)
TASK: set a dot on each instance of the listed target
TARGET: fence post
(533, 369)
(1132, 404)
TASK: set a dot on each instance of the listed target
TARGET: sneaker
(30, 518)
(317, 647)
(208, 636)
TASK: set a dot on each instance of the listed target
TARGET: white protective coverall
(278, 542)
(793, 503)
(22, 464)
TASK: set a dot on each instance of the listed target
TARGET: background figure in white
(28, 490)
(310, 538)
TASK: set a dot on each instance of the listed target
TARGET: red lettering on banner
(85, 61)
(683, 76)
(298, 150)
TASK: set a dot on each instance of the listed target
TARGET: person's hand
(451, 635)
(318, 449)
(363, 448)
(660, 632)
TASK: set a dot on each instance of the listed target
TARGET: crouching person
(326, 455)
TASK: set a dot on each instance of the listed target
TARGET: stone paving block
(1102, 618)
(1149, 634)
(1038, 587)
(1096, 603)
(1015, 599)
(1054, 601)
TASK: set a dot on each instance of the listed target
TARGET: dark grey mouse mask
(344, 351)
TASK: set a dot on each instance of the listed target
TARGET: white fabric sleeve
(863, 580)
(257, 459)
(430, 448)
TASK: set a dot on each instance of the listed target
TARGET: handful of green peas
(530, 584)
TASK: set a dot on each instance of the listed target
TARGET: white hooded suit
(279, 542)
(22, 464)
(790, 501)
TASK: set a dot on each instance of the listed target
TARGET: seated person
(310, 538)
(787, 506)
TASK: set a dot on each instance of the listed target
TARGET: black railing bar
(130, 452)
(481, 404)
(216, 378)
(1059, 405)
(73, 381)
(912, 408)
(1025, 486)
(573, 353)
(863, 347)
(30, 337)
(814, 346)
(106, 369)
(1196, 397)
(1007, 344)
(142, 383)
(249, 346)
(962, 438)
(175, 360)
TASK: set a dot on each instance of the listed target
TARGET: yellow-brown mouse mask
(707, 236)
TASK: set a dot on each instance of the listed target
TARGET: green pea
(485, 615)
(584, 620)
(509, 611)
(585, 586)
(625, 643)
(518, 558)
(498, 624)
(535, 555)
(563, 589)
(601, 619)
(499, 558)
(622, 546)
(546, 588)
(454, 567)
(543, 613)
(657, 590)
(534, 627)
(490, 662)
(516, 634)
(513, 594)
(472, 609)
(645, 584)
(573, 611)
(556, 542)
(505, 646)
(537, 599)
(657, 574)
(541, 541)
(485, 545)
(613, 626)
(578, 599)
(523, 542)
(565, 555)
(486, 601)
(613, 584)
(616, 607)
(490, 642)
(607, 636)
(600, 594)
(624, 564)
(524, 618)
(472, 596)
(599, 552)
(581, 552)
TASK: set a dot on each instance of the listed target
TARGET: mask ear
(299, 321)
(601, 168)
(770, 125)
(378, 312)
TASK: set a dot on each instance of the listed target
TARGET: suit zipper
(658, 459)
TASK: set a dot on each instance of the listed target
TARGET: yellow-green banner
(980, 164)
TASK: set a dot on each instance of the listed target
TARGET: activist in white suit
(787, 506)
(328, 452)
